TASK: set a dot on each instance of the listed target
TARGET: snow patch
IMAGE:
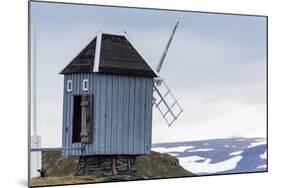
(173, 154)
(190, 164)
(172, 149)
(257, 144)
(262, 166)
(263, 156)
(190, 159)
(201, 149)
(236, 153)
(260, 140)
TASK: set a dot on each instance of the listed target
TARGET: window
(69, 85)
(81, 119)
(76, 124)
(85, 85)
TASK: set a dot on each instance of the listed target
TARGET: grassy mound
(61, 170)
(160, 166)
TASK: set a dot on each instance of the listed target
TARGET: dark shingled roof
(117, 56)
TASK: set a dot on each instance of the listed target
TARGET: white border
(15, 151)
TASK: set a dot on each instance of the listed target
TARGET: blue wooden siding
(122, 114)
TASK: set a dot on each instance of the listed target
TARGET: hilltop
(61, 170)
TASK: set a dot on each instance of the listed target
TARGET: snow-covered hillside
(219, 156)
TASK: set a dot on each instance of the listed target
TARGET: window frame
(69, 83)
(85, 81)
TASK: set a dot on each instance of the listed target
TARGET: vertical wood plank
(149, 112)
(131, 114)
(137, 115)
(142, 114)
(97, 113)
(102, 113)
(90, 146)
(114, 115)
(75, 92)
(125, 137)
(120, 114)
(108, 124)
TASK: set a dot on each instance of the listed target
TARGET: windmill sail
(166, 103)
(167, 48)
(164, 100)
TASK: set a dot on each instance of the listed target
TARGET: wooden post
(129, 163)
(114, 171)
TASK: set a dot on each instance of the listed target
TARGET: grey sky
(216, 66)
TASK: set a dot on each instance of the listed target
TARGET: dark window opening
(77, 112)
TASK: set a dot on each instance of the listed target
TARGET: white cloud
(218, 119)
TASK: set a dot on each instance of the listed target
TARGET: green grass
(59, 180)
(58, 165)
(161, 166)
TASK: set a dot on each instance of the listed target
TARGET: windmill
(108, 93)
(164, 99)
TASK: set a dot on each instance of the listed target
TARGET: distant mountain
(219, 156)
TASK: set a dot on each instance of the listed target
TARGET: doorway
(77, 115)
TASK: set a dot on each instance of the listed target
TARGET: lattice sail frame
(165, 101)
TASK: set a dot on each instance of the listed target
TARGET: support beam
(55, 149)
(129, 164)
(114, 171)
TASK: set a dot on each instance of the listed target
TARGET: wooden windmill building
(108, 100)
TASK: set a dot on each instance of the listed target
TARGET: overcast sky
(215, 67)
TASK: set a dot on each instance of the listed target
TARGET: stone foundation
(107, 165)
